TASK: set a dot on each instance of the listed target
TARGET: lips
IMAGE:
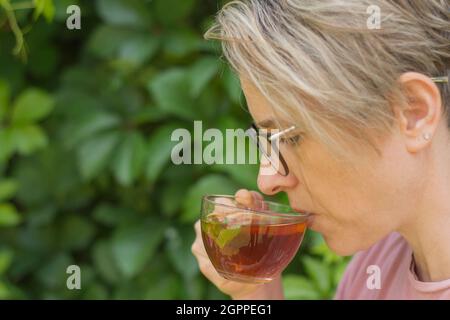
(311, 216)
(302, 210)
(310, 220)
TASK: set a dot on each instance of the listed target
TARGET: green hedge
(85, 170)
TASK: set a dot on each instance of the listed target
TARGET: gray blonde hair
(319, 64)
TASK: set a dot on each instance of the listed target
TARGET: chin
(340, 246)
(341, 250)
(342, 241)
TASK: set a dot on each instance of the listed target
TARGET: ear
(419, 118)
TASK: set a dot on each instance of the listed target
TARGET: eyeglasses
(264, 140)
(268, 145)
(444, 79)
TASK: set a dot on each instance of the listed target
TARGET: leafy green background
(85, 171)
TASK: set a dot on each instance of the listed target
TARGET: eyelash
(294, 140)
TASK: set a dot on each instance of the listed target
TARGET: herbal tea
(251, 248)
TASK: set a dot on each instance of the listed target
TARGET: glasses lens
(269, 149)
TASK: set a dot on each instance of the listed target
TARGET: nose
(270, 182)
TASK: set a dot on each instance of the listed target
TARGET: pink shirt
(391, 259)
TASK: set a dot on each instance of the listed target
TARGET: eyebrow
(271, 124)
(267, 123)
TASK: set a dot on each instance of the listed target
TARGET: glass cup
(252, 245)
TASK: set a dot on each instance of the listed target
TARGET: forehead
(259, 107)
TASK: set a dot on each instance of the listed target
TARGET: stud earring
(427, 136)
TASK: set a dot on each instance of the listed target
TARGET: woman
(370, 151)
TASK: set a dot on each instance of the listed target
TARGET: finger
(250, 199)
(197, 227)
(258, 200)
(245, 197)
(257, 195)
(198, 247)
(223, 205)
(205, 265)
(209, 272)
(199, 253)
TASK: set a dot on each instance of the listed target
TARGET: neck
(428, 233)
(431, 249)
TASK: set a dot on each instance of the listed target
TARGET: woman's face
(353, 207)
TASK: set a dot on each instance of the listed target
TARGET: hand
(237, 290)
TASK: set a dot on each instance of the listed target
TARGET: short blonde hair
(320, 65)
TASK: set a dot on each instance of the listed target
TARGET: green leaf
(245, 173)
(338, 272)
(138, 49)
(171, 11)
(76, 232)
(129, 158)
(134, 245)
(104, 262)
(164, 287)
(211, 184)
(214, 294)
(28, 138)
(50, 177)
(159, 150)
(171, 91)
(29, 174)
(43, 60)
(319, 273)
(96, 291)
(179, 241)
(110, 215)
(89, 124)
(316, 240)
(182, 43)
(194, 288)
(4, 98)
(232, 85)
(8, 188)
(94, 154)
(172, 196)
(45, 8)
(225, 235)
(146, 279)
(41, 216)
(32, 105)
(132, 48)
(148, 115)
(299, 288)
(4, 289)
(124, 12)
(106, 41)
(61, 9)
(6, 143)
(322, 249)
(6, 257)
(201, 73)
(9, 217)
(53, 274)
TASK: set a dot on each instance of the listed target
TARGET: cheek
(357, 219)
(357, 213)
(328, 189)
(356, 207)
